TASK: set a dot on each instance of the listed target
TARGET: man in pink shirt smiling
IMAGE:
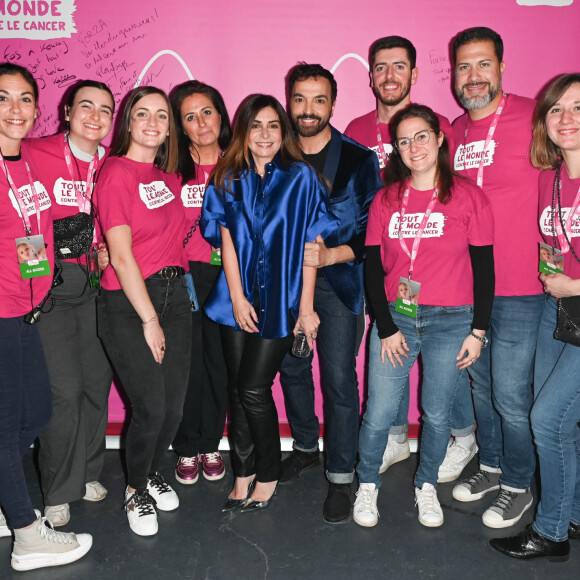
(492, 143)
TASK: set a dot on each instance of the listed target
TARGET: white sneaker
(394, 452)
(95, 491)
(163, 494)
(58, 515)
(456, 458)
(430, 512)
(5, 529)
(41, 546)
(141, 513)
(365, 511)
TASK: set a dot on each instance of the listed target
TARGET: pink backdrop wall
(249, 45)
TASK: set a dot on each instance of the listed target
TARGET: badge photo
(551, 262)
(32, 258)
(407, 297)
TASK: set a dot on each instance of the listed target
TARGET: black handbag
(568, 325)
(568, 320)
(73, 235)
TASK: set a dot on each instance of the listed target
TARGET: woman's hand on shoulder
(394, 346)
(308, 322)
(245, 315)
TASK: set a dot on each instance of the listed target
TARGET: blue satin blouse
(269, 221)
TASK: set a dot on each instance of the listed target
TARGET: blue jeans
(555, 417)
(437, 333)
(25, 408)
(336, 346)
(502, 389)
(462, 416)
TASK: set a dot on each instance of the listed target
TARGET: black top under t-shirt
(317, 160)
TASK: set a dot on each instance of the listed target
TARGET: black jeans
(24, 411)
(252, 363)
(156, 391)
(206, 401)
(72, 447)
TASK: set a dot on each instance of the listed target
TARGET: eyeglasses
(420, 137)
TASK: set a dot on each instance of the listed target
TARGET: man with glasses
(492, 143)
(392, 71)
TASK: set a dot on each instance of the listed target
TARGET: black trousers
(252, 364)
(206, 401)
(156, 391)
(72, 447)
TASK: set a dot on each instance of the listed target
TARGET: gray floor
(289, 540)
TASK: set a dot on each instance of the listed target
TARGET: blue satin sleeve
(212, 216)
(269, 221)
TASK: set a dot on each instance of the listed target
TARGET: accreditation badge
(31, 255)
(216, 257)
(407, 297)
(551, 261)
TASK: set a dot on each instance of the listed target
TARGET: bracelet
(148, 321)
(482, 339)
(306, 315)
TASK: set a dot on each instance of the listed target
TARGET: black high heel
(254, 506)
(234, 504)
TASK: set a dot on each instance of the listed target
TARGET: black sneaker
(297, 462)
(338, 503)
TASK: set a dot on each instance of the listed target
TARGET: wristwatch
(482, 339)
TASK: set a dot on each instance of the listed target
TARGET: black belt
(169, 273)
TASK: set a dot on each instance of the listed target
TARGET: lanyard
(557, 215)
(413, 254)
(490, 133)
(21, 204)
(83, 201)
(381, 151)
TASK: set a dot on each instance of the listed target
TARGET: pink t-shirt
(145, 198)
(195, 247)
(443, 264)
(16, 297)
(364, 131)
(570, 188)
(47, 157)
(511, 184)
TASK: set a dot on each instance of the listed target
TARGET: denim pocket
(457, 309)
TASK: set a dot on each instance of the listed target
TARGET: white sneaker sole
(493, 519)
(429, 524)
(461, 493)
(33, 561)
(401, 457)
(214, 477)
(453, 475)
(186, 481)
(365, 523)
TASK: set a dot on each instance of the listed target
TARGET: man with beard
(352, 173)
(392, 72)
(492, 143)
